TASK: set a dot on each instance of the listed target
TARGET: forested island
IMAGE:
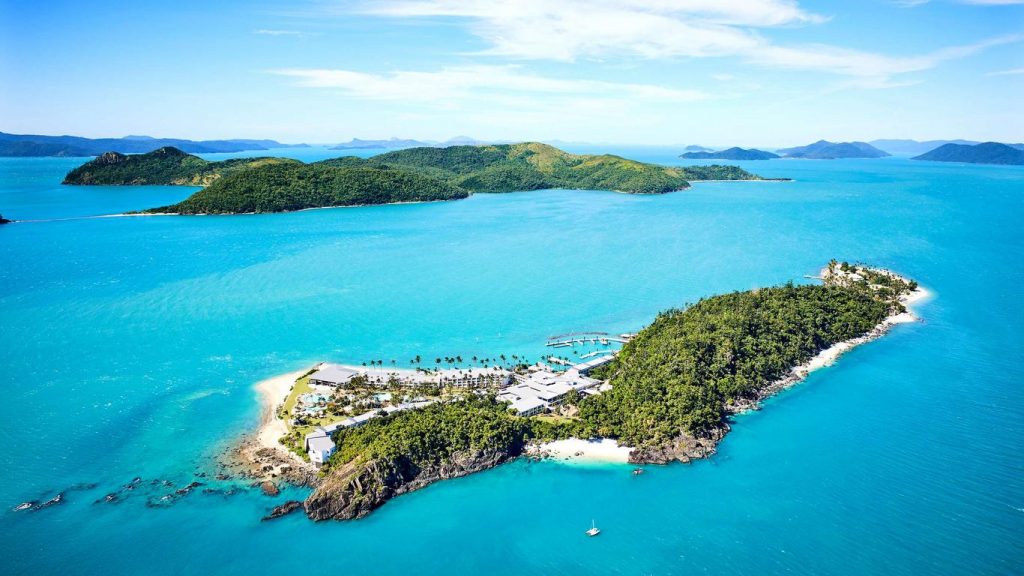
(673, 388)
(984, 153)
(414, 174)
(734, 153)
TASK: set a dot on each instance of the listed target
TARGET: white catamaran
(594, 530)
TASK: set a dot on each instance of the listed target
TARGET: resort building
(543, 388)
(332, 375)
(319, 446)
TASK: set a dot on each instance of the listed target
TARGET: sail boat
(594, 530)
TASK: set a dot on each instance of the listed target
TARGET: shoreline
(259, 452)
(831, 355)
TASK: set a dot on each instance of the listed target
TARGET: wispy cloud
(572, 29)
(1010, 72)
(464, 82)
(266, 32)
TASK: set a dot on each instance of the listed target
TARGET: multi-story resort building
(528, 394)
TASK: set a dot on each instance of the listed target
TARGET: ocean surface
(129, 347)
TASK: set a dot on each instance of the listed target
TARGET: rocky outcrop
(269, 488)
(283, 510)
(684, 448)
(358, 488)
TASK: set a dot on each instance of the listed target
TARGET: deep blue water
(129, 347)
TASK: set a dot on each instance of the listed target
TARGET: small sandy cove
(577, 450)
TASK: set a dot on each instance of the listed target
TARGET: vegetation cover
(416, 174)
(418, 438)
(672, 387)
(295, 186)
(534, 166)
(167, 165)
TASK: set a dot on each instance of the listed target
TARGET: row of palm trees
(453, 361)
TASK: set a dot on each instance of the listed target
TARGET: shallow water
(130, 346)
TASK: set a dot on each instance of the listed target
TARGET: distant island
(733, 153)
(26, 145)
(697, 148)
(666, 396)
(4, 220)
(389, 144)
(400, 143)
(825, 150)
(984, 153)
(414, 174)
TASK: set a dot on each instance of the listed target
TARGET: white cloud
(570, 29)
(865, 64)
(1010, 72)
(465, 82)
(265, 32)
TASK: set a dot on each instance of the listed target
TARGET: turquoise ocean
(129, 347)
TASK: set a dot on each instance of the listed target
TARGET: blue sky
(716, 72)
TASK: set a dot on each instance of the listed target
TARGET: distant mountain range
(695, 148)
(825, 150)
(916, 148)
(984, 153)
(40, 145)
(401, 143)
(733, 153)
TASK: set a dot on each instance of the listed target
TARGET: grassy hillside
(295, 186)
(167, 165)
(533, 166)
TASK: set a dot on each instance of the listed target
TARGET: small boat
(24, 506)
(594, 530)
(638, 471)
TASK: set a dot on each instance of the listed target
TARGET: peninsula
(666, 396)
(410, 175)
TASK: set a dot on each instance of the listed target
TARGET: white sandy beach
(272, 392)
(578, 450)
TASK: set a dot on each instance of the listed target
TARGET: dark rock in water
(25, 506)
(192, 486)
(270, 489)
(283, 510)
(58, 499)
(222, 477)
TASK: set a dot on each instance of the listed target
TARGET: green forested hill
(167, 165)
(533, 166)
(286, 187)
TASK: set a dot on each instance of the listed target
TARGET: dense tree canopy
(284, 187)
(166, 165)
